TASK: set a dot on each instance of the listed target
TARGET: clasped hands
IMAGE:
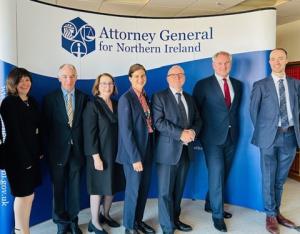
(187, 136)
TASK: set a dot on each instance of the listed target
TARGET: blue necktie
(282, 106)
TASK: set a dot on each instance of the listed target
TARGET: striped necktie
(69, 109)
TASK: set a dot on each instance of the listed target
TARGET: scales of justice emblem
(78, 37)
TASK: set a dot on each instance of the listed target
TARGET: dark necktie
(282, 106)
(227, 94)
(183, 115)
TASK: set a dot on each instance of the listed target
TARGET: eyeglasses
(178, 75)
(104, 84)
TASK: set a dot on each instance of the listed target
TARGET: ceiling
(287, 10)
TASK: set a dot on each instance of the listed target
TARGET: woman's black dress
(22, 146)
(101, 136)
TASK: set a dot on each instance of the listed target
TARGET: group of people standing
(121, 140)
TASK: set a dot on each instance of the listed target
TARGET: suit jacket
(264, 110)
(217, 119)
(166, 117)
(22, 146)
(100, 129)
(60, 138)
(133, 131)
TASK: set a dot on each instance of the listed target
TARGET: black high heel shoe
(109, 221)
(92, 228)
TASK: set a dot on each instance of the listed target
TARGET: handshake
(187, 136)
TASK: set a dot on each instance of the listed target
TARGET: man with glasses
(177, 121)
(218, 99)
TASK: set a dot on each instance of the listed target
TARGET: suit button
(229, 126)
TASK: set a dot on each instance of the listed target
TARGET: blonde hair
(71, 66)
(222, 53)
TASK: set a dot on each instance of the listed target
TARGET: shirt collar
(277, 78)
(139, 94)
(65, 92)
(220, 78)
(174, 91)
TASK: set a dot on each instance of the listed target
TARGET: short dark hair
(95, 89)
(14, 78)
(282, 49)
(135, 67)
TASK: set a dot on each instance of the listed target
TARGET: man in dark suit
(62, 112)
(218, 99)
(177, 121)
(274, 110)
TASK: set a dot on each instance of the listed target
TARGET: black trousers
(66, 192)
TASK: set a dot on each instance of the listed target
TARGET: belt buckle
(284, 130)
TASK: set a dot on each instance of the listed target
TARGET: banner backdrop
(41, 37)
(8, 57)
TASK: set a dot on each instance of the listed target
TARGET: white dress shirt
(221, 83)
(183, 101)
(287, 97)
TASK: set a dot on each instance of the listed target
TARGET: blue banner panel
(244, 185)
(6, 199)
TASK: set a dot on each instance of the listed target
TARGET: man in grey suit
(177, 121)
(274, 110)
(218, 99)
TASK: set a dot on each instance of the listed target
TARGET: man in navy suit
(218, 99)
(177, 121)
(274, 110)
(62, 112)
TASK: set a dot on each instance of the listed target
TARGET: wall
(288, 37)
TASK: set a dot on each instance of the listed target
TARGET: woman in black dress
(21, 119)
(104, 176)
(1, 147)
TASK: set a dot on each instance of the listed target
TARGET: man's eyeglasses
(178, 75)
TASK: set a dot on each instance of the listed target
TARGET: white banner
(50, 36)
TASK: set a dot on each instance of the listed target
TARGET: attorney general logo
(78, 37)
